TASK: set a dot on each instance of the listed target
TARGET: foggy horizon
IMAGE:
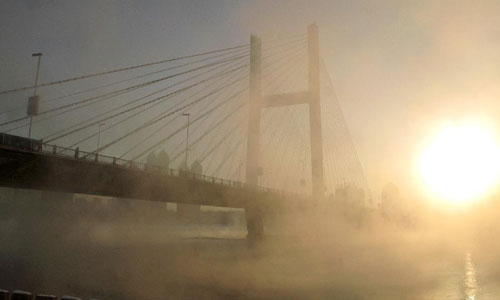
(223, 124)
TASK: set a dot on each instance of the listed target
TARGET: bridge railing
(76, 153)
(25, 144)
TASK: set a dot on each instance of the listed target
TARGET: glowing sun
(461, 163)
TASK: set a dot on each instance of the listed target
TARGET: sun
(461, 163)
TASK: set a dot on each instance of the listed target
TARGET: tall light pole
(34, 100)
(187, 139)
(99, 135)
(239, 171)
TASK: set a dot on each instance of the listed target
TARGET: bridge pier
(190, 212)
(253, 215)
(258, 102)
(254, 223)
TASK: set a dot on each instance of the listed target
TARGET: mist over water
(90, 249)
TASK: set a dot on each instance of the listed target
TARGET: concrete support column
(255, 106)
(254, 219)
(315, 114)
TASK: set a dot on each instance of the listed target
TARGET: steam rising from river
(315, 254)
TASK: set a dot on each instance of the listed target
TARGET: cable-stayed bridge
(254, 126)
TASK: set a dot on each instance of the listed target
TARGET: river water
(151, 262)
(462, 283)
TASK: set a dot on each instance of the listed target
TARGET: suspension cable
(21, 107)
(137, 106)
(126, 89)
(195, 120)
(273, 74)
(223, 72)
(147, 108)
(166, 124)
(165, 116)
(120, 70)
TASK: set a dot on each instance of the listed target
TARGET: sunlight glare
(461, 163)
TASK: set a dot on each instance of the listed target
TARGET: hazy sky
(400, 68)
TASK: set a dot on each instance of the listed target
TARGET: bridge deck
(48, 169)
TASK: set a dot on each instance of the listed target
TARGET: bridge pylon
(258, 102)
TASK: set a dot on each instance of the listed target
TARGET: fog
(94, 250)
(152, 102)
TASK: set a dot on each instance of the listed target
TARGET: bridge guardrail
(24, 295)
(100, 158)
(76, 153)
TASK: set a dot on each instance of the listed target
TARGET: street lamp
(33, 101)
(187, 139)
(239, 171)
(99, 135)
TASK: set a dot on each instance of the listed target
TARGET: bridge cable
(301, 142)
(22, 107)
(279, 40)
(218, 123)
(121, 69)
(204, 117)
(183, 127)
(147, 108)
(267, 81)
(212, 126)
(204, 107)
(159, 119)
(273, 138)
(223, 72)
(178, 91)
(172, 159)
(363, 178)
(268, 84)
(126, 89)
(160, 128)
(272, 49)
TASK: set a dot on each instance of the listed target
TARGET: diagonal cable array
(22, 107)
(216, 124)
(176, 92)
(124, 90)
(182, 128)
(278, 140)
(346, 163)
(170, 109)
(226, 140)
(121, 69)
(204, 108)
(149, 123)
(208, 79)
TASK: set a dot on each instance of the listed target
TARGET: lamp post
(187, 139)
(99, 135)
(34, 100)
(239, 171)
